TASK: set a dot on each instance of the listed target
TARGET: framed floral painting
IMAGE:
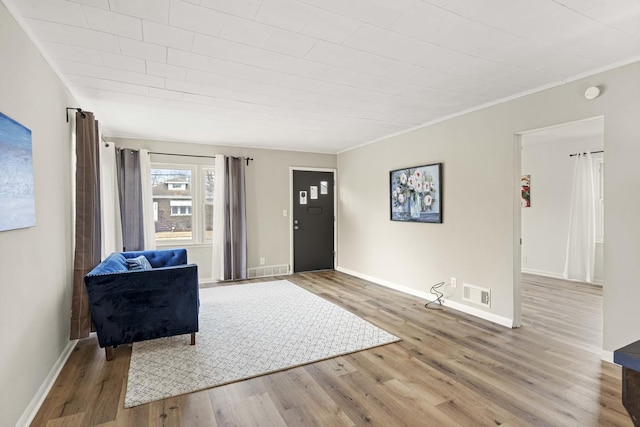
(416, 194)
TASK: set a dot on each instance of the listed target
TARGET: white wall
(267, 186)
(545, 225)
(476, 241)
(35, 263)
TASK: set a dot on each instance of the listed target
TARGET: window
(180, 207)
(177, 185)
(183, 202)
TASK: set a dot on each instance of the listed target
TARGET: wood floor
(449, 369)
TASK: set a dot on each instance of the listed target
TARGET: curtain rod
(248, 159)
(79, 110)
(591, 152)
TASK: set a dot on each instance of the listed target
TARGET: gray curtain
(88, 226)
(235, 228)
(130, 195)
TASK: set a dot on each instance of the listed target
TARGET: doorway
(545, 161)
(313, 219)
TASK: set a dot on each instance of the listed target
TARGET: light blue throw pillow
(138, 263)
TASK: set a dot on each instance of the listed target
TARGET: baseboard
(607, 356)
(544, 273)
(494, 318)
(32, 409)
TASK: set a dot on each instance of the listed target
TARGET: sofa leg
(108, 351)
(193, 338)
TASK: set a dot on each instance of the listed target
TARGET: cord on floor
(434, 291)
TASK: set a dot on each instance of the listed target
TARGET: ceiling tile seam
(17, 16)
(469, 19)
(66, 27)
(213, 98)
(339, 67)
(275, 111)
(286, 98)
(396, 96)
(285, 147)
(579, 76)
(342, 44)
(265, 68)
(256, 12)
(417, 65)
(595, 20)
(338, 86)
(303, 76)
(126, 14)
(86, 6)
(441, 46)
(360, 50)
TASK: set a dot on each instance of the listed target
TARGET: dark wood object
(629, 358)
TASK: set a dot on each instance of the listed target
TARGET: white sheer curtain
(581, 242)
(217, 271)
(148, 223)
(111, 224)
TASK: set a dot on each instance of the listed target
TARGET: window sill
(176, 243)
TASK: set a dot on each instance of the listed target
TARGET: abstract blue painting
(17, 201)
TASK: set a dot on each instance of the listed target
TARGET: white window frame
(203, 171)
(197, 190)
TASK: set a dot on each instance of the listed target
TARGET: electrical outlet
(284, 212)
(454, 282)
(262, 261)
(524, 259)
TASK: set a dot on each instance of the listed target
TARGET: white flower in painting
(428, 200)
(427, 186)
(403, 178)
(395, 194)
(401, 198)
(411, 182)
(418, 175)
(419, 186)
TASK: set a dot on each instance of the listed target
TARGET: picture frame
(416, 194)
(525, 191)
(17, 198)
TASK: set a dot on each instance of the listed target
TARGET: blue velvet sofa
(129, 305)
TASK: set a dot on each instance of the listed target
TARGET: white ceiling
(315, 75)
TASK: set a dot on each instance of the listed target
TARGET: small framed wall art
(525, 192)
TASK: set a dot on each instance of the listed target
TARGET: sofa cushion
(138, 263)
(112, 264)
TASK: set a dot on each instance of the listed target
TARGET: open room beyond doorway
(546, 168)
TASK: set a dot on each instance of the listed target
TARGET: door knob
(295, 227)
(295, 221)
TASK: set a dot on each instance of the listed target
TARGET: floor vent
(476, 294)
(268, 270)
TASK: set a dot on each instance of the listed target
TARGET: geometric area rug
(247, 331)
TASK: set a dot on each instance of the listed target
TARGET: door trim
(517, 211)
(335, 210)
